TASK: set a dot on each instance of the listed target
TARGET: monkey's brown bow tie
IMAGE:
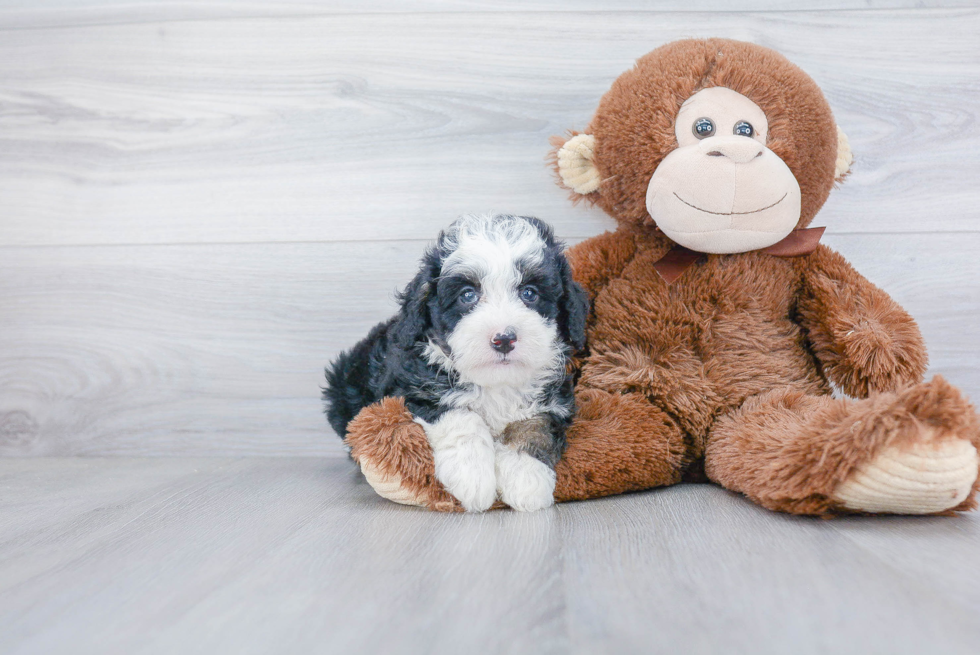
(799, 242)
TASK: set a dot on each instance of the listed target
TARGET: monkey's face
(725, 146)
(722, 190)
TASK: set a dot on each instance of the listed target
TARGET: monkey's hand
(864, 340)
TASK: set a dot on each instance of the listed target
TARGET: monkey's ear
(844, 157)
(575, 166)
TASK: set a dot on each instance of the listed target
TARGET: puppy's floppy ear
(413, 317)
(573, 311)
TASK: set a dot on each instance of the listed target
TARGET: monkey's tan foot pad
(398, 490)
(390, 487)
(922, 478)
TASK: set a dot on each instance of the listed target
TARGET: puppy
(479, 351)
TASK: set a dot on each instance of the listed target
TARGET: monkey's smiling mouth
(754, 211)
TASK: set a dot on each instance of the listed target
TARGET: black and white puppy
(479, 352)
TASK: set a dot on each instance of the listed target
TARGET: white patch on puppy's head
(498, 332)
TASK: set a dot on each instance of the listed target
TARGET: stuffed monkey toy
(719, 325)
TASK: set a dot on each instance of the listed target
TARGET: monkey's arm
(864, 340)
(597, 260)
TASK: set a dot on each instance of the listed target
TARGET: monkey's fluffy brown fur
(730, 367)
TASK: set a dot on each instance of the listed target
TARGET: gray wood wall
(201, 204)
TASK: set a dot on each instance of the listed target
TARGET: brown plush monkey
(718, 323)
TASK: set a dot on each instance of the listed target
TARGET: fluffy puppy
(479, 352)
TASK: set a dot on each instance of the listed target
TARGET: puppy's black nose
(503, 343)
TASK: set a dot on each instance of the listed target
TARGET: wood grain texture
(21, 14)
(297, 555)
(701, 570)
(212, 350)
(166, 349)
(367, 126)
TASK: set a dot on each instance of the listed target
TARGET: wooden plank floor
(297, 555)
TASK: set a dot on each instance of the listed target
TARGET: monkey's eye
(743, 128)
(703, 128)
(468, 295)
(529, 294)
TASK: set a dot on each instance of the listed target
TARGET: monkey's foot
(390, 486)
(395, 457)
(924, 477)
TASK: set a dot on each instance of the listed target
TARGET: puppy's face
(498, 301)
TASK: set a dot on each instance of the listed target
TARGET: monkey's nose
(504, 343)
(740, 149)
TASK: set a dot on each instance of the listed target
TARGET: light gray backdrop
(200, 205)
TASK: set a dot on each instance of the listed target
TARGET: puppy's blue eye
(529, 294)
(743, 128)
(468, 296)
(703, 128)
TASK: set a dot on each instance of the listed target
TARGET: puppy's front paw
(523, 482)
(462, 450)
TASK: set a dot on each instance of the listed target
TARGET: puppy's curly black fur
(396, 358)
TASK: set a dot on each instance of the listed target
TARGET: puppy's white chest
(498, 406)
